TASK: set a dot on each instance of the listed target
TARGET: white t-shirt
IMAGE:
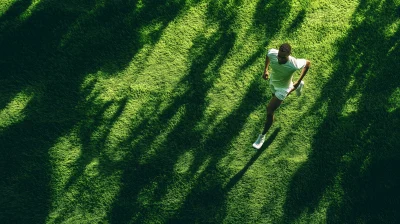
(282, 74)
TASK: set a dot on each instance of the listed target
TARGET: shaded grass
(50, 52)
(350, 167)
(145, 111)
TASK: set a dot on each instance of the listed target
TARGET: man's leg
(273, 104)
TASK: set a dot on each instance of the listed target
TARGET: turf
(145, 112)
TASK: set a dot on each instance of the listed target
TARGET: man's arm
(302, 74)
(266, 73)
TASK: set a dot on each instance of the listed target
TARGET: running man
(283, 67)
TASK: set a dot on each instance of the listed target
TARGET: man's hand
(265, 75)
(295, 86)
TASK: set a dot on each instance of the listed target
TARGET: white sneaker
(299, 88)
(259, 142)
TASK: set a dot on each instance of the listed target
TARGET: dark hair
(285, 48)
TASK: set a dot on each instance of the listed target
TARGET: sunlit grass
(153, 81)
(159, 127)
(5, 5)
(148, 87)
(14, 112)
(28, 12)
(394, 101)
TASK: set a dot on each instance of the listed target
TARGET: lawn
(145, 112)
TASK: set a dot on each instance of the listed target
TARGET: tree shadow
(160, 168)
(268, 20)
(206, 202)
(296, 23)
(157, 172)
(354, 160)
(137, 176)
(51, 51)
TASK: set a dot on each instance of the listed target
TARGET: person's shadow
(241, 173)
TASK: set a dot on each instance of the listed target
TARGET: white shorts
(281, 93)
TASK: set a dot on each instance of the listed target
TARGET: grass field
(144, 111)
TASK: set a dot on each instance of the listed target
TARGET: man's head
(283, 54)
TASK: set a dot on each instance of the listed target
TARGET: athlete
(283, 67)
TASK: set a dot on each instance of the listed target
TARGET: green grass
(145, 112)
